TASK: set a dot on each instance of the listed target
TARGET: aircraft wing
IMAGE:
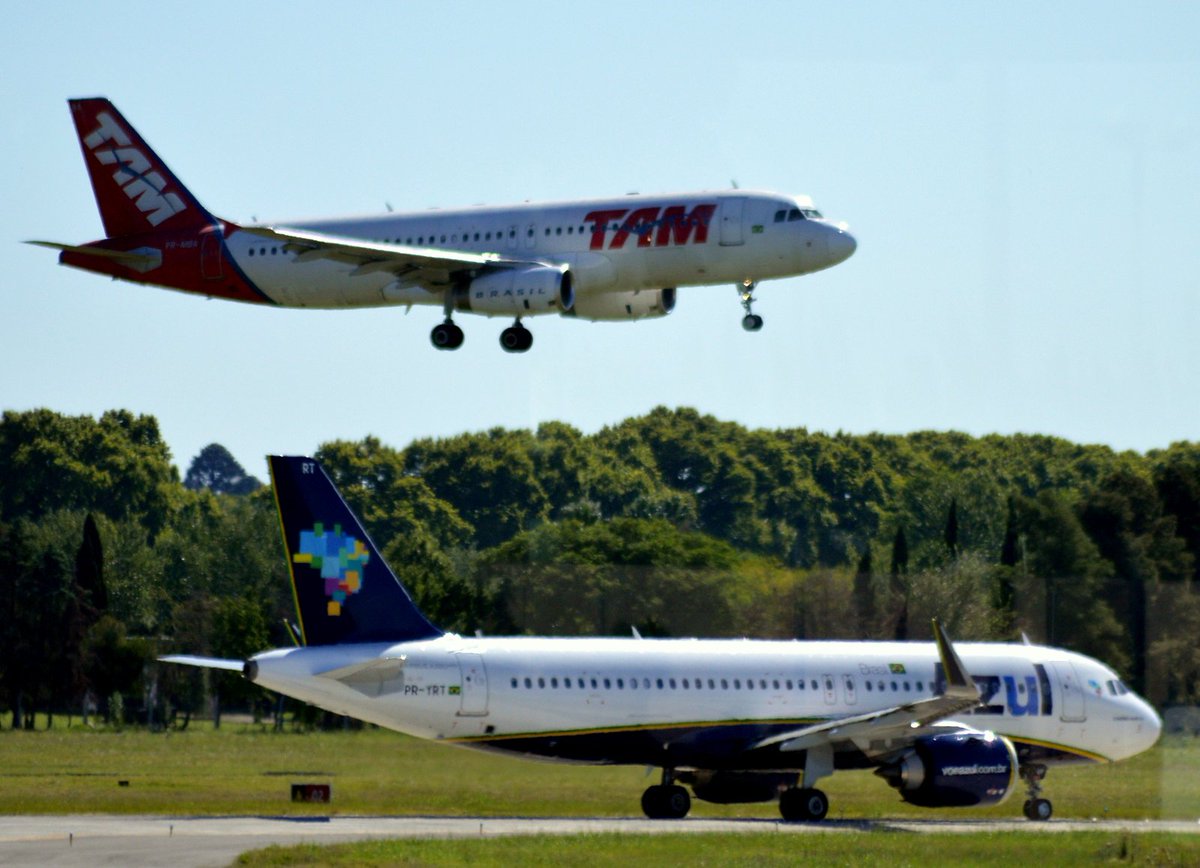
(417, 266)
(887, 726)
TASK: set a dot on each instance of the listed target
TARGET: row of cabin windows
(696, 683)
(468, 237)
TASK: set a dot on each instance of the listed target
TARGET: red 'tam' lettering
(676, 226)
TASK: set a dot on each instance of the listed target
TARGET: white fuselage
(627, 244)
(621, 700)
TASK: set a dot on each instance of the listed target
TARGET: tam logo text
(654, 226)
(113, 147)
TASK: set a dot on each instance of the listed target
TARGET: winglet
(958, 682)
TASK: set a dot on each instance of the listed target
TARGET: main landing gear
(751, 322)
(446, 335)
(516, 338)
(1036, 808)
(667, 801)
(801, 804)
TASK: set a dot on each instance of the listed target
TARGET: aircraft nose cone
(1153, 728)
(841, 246)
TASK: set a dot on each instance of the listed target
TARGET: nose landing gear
(1036, 808)
(751, 322)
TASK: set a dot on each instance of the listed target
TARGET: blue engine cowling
(955, 770)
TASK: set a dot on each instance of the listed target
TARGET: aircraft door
(731, 221)
(210, 257)
(474, 694)
(530, 235)
(512, 237)
(830, 689)
(1073, 708)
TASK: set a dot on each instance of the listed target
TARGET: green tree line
(673, 523)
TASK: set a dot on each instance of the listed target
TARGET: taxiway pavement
(192, 842)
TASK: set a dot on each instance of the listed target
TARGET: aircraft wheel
(752, 322)
(1038, 809)
(446, 336)
(677, 802)
(798, 805)
(666, 802)
(652, 802)
(516, 339)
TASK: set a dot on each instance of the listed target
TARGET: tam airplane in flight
(596, 259)
(946, 725)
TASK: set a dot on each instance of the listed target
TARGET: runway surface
(191, 842)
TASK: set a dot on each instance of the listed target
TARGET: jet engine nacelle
(955, 770)
(520, 291)
(637, 304)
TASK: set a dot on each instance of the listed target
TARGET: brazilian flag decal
(896, 668)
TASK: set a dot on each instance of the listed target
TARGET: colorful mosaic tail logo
(339, 558)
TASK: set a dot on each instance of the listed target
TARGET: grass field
(243, 769)
(850, 849)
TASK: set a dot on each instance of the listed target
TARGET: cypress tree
(899, 582)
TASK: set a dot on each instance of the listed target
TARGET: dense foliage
(674, 522)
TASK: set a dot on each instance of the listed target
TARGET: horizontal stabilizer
(205, 662)
(132, 258)
(376, 677)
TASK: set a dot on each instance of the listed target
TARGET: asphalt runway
(191, 842)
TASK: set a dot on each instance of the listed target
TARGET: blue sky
(1022, 179)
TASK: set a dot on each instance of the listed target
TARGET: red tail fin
(135, 191)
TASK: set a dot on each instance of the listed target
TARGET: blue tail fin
(345, 591)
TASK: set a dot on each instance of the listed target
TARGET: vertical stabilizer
(345, 592)
(135, 191)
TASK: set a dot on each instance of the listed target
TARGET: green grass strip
(759, 849)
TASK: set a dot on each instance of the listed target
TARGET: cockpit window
(793, 214)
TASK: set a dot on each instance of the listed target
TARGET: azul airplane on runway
(736, 720)
(597, 259)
